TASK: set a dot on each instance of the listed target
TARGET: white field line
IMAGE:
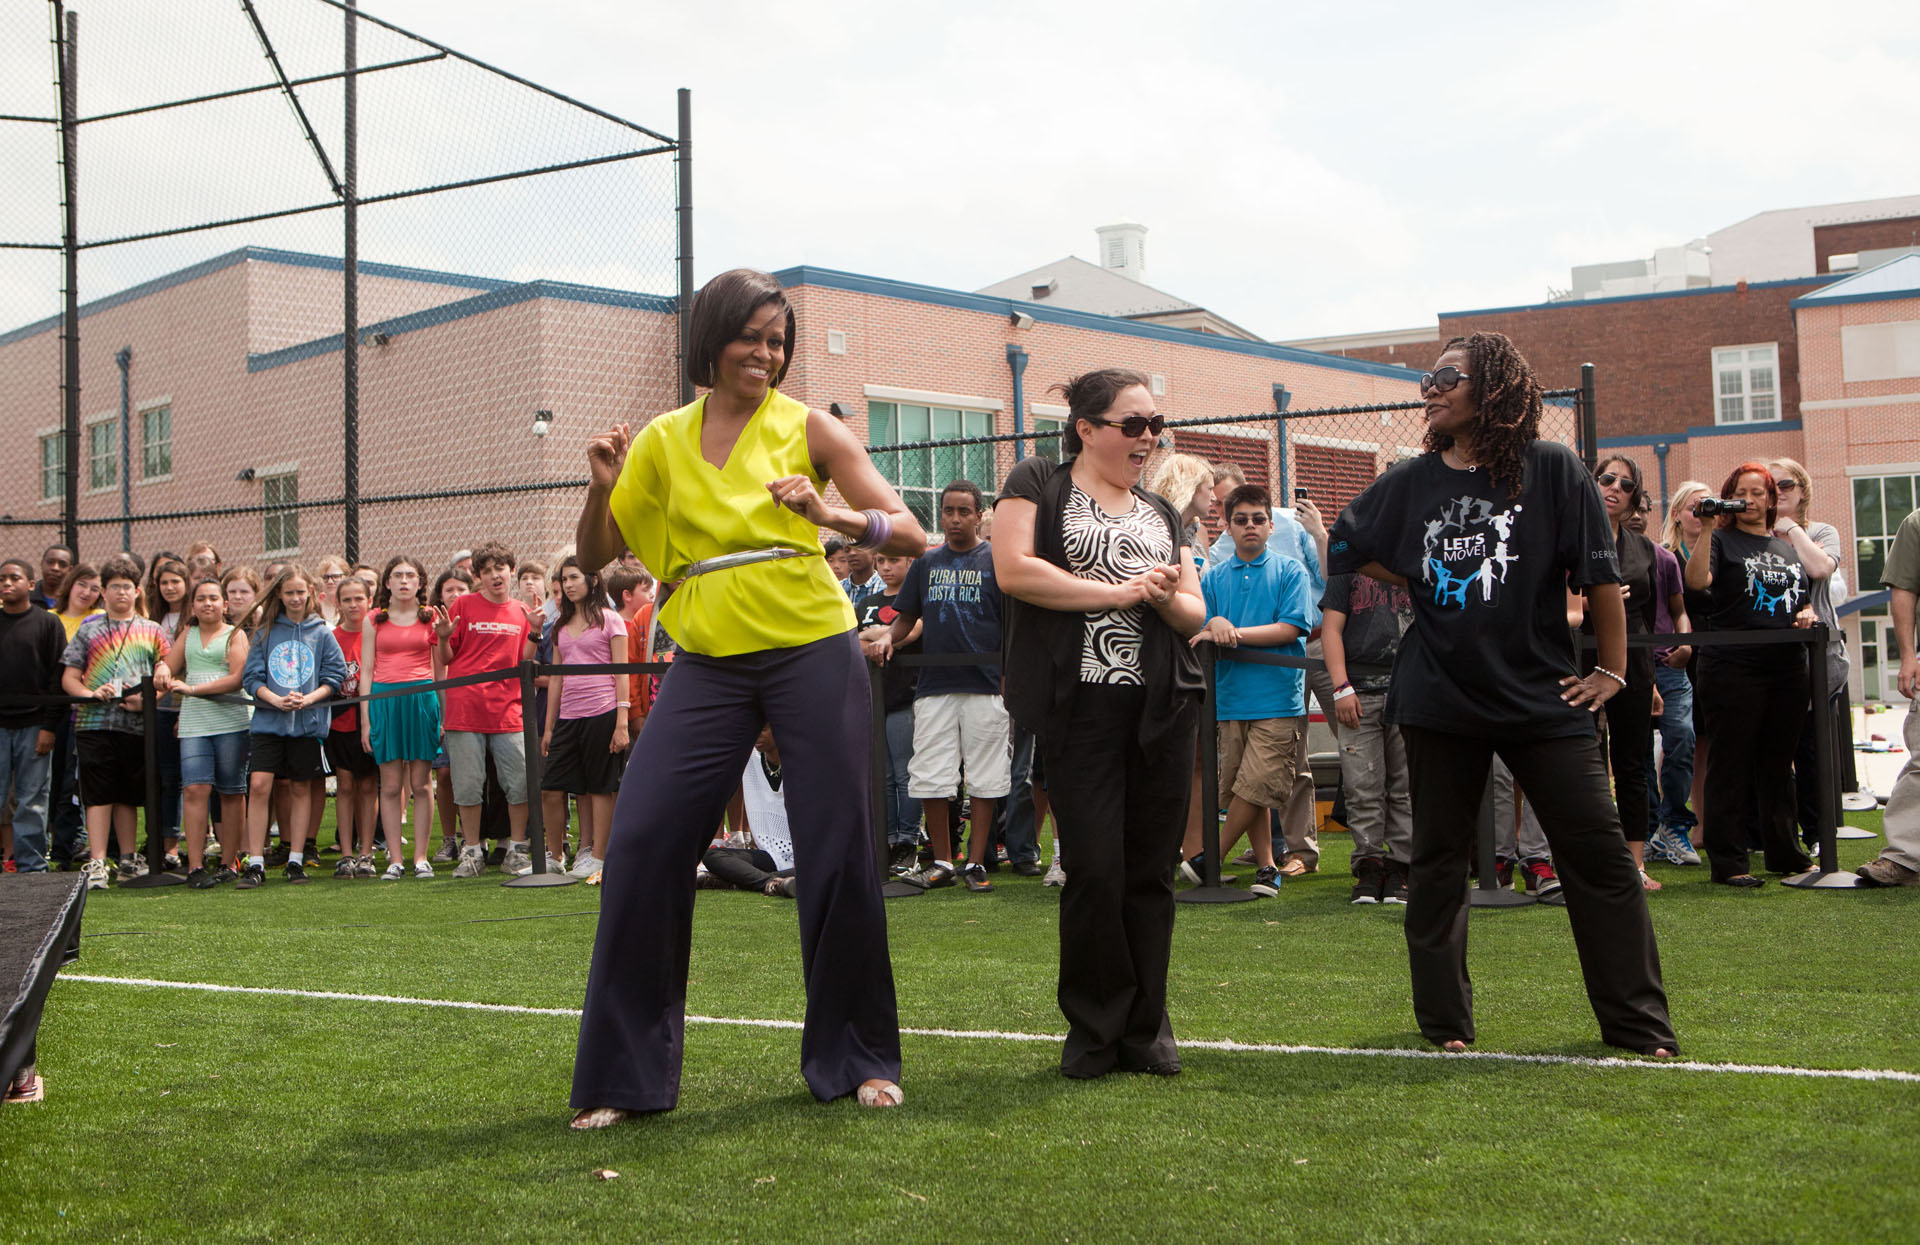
(997, 1035)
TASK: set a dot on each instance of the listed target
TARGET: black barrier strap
(1715, 639)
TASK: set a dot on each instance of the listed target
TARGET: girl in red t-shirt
(403, 732)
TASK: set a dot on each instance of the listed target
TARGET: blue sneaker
(1266, 883)
(1684, 853)
(1661, 846)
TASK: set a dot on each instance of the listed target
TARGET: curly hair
(1508, 397)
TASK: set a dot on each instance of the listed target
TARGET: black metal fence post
(536, 816)
(1210, 889)
(1826, 874)
(157, 874)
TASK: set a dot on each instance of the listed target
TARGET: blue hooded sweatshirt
(294, 657)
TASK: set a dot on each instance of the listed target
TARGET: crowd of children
(258, 682)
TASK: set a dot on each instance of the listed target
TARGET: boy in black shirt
(1361, 623)
(31, 643)
(876, 613)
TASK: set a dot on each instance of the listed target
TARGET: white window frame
(140, 416)
(927, 496)
(111, 418)
(1747, 394)
(39, 440)
(283, 471)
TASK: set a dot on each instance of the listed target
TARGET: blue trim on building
(1841, 300)
(1698, 431)
(261, 254)
(492, 300)
(1563, 304)
(937, 296)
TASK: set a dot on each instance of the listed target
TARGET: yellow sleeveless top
(675, 508)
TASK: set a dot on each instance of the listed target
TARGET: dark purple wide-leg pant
(685, 764)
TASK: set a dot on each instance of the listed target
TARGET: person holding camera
(1755, 581)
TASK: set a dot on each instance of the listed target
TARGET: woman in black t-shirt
(1755, 582)
(1101, 594)
(1630, 715)
(1487, 530)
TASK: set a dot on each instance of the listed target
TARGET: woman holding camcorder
(1755, 581)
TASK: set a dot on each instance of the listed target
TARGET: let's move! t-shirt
(1488, 572)
(485, 637)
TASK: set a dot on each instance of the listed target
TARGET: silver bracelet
(1599, 669)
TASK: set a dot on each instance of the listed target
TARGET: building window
(1745, 385)
(156, 442)
(920, 473)
(1047, 447)
(53, 466)
(1880, 505)
(103, 454)
(280, 528)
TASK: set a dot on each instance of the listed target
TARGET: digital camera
(1707, 507)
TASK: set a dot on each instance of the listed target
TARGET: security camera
(541, 427)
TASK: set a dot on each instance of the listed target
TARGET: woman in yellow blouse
(723, 499)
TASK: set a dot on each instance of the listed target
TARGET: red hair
(1733, 480)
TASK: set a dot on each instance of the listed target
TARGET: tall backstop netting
(282, 276)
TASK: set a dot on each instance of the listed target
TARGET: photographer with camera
(1755, 581)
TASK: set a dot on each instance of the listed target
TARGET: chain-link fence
(1331, 453)
(282, 276)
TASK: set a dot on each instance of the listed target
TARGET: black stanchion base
(1214, 894)
(1814, 880)
(1556, 900)
(1853, 832)
(1485, 897)
(157, 877)
(900, 890)
(542, 879)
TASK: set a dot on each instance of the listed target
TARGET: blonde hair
(1805, 481)
(1673, 539)
(1179, 476)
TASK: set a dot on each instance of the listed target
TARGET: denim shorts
(217, 761)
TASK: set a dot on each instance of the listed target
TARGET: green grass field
(176, 1114)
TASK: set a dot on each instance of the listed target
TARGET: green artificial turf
(174, 1114)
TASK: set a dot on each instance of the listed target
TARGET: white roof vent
(1123, 249)
(1044, 286)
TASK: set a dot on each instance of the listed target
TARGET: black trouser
(747, 868)
(684, 766)
(1566, 782)
(1120, 811)
(1752, 714)
(1629, 742)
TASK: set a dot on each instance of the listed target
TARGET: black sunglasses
(1244, 519)
(1132, 425)
(1440, 380)
(1607, 479)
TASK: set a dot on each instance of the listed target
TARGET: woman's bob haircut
(721, 310)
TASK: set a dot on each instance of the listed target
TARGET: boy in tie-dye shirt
(105, 660)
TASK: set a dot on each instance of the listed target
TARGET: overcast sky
(1302, 170)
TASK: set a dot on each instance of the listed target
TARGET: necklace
(1460, 466)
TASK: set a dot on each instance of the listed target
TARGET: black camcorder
(1707, 507)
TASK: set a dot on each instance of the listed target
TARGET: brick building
(233, 399)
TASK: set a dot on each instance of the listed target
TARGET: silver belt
(727, 561)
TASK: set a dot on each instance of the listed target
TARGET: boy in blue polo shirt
(1260, 600)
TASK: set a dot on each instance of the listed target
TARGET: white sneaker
(473, 862)
(518, 862)
(554, 866)
(139, 867)
(97, 872)
(1056, 876)
(422, 870)
(585, 863)
(394, 873)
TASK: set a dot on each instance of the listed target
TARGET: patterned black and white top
(1113, 548)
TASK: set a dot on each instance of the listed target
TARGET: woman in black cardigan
(1101, 597)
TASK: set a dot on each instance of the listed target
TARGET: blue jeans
(1674, 782)
(26, 774)
(903, 811)
(1015, 815)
